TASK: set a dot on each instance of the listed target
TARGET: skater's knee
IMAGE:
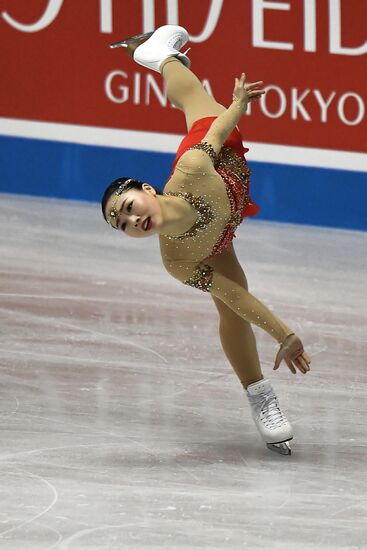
(227, 317)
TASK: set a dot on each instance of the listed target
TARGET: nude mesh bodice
(218, 193)
(218, 197)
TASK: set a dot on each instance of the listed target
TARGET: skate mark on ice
(124, 437)
(87, 330)
(62, 448)
(45, 511)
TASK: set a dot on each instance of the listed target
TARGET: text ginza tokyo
(293, 103)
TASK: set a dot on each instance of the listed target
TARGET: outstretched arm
(205, 277)
(221, 128)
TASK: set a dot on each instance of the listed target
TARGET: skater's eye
(123, 226)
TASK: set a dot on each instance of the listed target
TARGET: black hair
(133, 184)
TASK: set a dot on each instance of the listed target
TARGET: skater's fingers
(255, 95)
(290, 366)
(278, 360)
(302, 366)
(301, 363)
(304, 362)
(306, 357)
(253, 85)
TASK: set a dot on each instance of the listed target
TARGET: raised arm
(221, 128)
(204, 153)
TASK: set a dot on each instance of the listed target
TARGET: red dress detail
(233, 169)
(234, 141)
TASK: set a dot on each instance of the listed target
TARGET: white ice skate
(154, 47)
(273, 426)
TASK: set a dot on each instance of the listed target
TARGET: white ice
(124, 425)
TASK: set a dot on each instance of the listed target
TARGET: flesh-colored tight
(186, 92)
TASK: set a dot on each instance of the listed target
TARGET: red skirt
(234, 141)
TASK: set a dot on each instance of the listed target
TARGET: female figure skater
(204, 201)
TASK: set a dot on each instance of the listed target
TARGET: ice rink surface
(124, 425)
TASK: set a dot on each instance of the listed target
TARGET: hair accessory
(112, 215)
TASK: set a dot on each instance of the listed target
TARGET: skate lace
(266, 408)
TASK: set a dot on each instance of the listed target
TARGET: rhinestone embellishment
(202, 278)
(206, 214)
(205, 146)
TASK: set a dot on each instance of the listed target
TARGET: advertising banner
(62, 82)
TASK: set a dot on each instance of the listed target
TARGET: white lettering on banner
(296, 104)
(211, 22)
(309, 25)
(105, 10)
(53, 8)
(335, 32)
(120, 93)
(282, 102)
(161, 95)
(324, 105)
(49, 15)
(118, 84)
(172, 17)
(137, 81)
(124, 95)
(117, 88)
(149, 15)
(258, 41)
(361, 109)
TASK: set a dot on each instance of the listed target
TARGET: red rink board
(58, 74)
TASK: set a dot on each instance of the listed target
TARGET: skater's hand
(292, 352)
(246, 92)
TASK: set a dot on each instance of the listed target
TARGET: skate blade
(124, 43)
(280, 448)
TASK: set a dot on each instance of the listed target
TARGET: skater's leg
(184, 89)
(187, 93)
(236, 334)
(239, 345)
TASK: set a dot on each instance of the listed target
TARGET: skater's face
(133, 208)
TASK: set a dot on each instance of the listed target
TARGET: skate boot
(273, 426)
(151, 49)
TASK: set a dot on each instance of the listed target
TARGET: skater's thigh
(201, 106)
(228, 265)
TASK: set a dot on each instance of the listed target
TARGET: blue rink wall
(295, 194)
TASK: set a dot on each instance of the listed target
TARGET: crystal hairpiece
(112, 215)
